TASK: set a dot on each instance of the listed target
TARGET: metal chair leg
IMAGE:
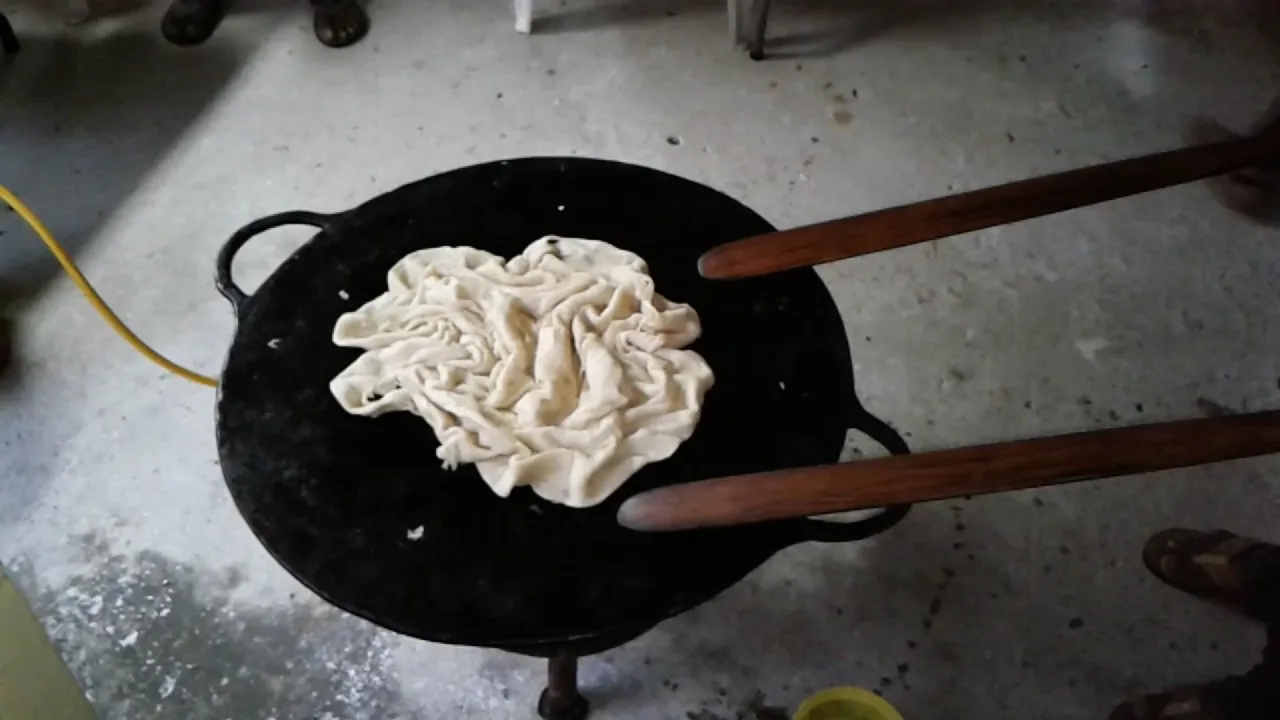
(524, 16)
(759, 19)
(8, 39)
(736, 35)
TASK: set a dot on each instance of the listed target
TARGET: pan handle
(222, 278)
(834, 532)
(838, 532)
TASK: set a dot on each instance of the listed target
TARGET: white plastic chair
(747, 19)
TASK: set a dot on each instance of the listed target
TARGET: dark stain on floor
(755, 708)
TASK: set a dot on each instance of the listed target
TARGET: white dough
(560, 369)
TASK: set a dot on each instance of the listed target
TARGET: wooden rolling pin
(945, 474)
(967, 212)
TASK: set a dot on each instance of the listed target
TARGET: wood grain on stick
(1000, 467)
(970, 211)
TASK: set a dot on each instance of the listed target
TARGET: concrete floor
(143, 158)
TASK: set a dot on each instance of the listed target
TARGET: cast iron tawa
(360, 510)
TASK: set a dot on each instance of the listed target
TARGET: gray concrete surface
(143, 158)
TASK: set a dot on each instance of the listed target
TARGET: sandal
(191, 22)
(1219, 566)
(1188, 703)
(1253, 192)
(1183, 704)
(339, 23)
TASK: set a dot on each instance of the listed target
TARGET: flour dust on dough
(561, 369)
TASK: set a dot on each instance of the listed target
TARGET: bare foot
(340, 23)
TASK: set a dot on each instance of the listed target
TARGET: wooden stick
(966, 212)
(1000, 467)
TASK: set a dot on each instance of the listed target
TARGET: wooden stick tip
(702, 264)
(634, 514)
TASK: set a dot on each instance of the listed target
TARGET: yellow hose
(94, 299)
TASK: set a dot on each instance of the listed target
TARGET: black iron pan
(337, 499)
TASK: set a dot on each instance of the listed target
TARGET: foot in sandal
(1253, 192)
(1252, 696)
(1236, 572)
(1214, 701)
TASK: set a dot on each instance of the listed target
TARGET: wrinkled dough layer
(561, 369)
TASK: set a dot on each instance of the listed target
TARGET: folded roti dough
(560, 369)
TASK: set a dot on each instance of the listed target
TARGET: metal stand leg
(759, 18)
(8, 40)
(560, 700)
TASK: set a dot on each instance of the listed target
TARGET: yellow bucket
(846, 703)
